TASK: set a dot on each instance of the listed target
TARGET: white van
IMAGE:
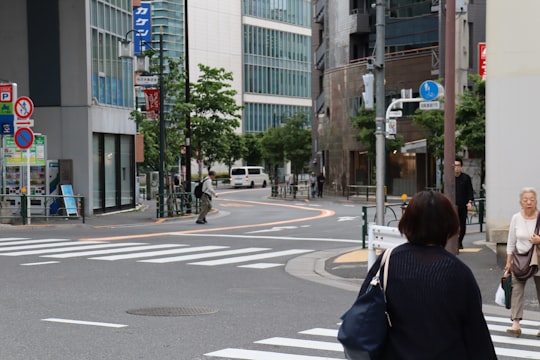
(249, 176)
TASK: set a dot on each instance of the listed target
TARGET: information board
(69, 201)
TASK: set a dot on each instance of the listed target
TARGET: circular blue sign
(429, 90)
(24, 138)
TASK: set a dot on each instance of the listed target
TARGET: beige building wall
(513, 78)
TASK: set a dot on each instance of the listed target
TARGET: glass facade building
(277, 61)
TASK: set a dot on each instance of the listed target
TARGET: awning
(417, 146)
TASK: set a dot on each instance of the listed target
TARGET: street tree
(364, 121)
(471, 121)
(214, 114)
(297, 143)
(273, 149)
(234, 150)
(252, 141)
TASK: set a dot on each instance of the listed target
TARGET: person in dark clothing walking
(464, 198)
(320, 184)
(433, 300)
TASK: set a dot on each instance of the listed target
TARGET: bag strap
(385, 261)
(537, 227)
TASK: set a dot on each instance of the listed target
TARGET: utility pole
(450, 101)
(380, 109)
(188, 100)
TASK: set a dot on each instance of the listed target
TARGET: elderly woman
(433, 300)
(521, 237)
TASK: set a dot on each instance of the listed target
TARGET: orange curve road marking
(323, 214)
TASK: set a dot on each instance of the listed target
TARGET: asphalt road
(264, 279)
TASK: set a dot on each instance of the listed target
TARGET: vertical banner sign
(482, 60)
(142, 26)
(8, 94)
(152, 102)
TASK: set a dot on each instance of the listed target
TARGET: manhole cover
(172, 311)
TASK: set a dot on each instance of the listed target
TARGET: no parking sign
(24, 138)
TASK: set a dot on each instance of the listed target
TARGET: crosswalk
(322, 344)
(205, 255)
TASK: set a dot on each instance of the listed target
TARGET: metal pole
(450, 100)
(380, 109)
(188, 99)
(161, 128)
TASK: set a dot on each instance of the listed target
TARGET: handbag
(506, 285)
(521, 264)
(365, 325)
(525, 265)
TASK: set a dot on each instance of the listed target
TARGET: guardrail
(292, 191)
(178, 204)
(382, 237)
(363, 189)
(45, 207)
(392, 214)
(477, 216)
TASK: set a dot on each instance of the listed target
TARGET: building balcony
(319, 103)
(319, 56)
(359, 22)
(318, 11)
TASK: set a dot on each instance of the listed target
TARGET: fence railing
(23, 208)
(177, 204)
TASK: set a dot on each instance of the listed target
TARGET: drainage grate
(172, 311)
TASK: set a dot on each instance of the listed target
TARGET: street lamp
(125, 50)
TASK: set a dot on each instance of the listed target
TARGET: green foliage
(290, 142)
(213, 113)
(471, 118)
(254, 154)
(433, 121)
(365, 123)
(297, 142)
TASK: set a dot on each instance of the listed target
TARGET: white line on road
(203, 256)
(80, 246)
(262, 355)
(157, 253)
(356, 241)
(80, 322)
(25, 241)
(238, 259)
(41, 263)
(112, 251)
(306, 344)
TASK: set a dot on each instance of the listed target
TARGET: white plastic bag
(499, 296)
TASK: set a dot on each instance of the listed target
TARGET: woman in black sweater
(433, 300)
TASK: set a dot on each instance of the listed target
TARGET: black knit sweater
(435, 307)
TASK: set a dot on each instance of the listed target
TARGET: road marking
(246, 258)
(41, 246)
(112, 251)
(260, 266)
(82, 246)
(243, 354)
(203, 256)
(158, 253)
(80, 322)
(356, 241)
(26, 242)
(298, 343)
(41, 263)
(320, 332)
(323, 214)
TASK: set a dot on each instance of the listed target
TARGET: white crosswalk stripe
(323, 343)
(154, 253)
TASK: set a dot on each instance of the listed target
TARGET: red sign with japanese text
(482, 60)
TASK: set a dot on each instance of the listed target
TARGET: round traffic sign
(430, 90)
(24, 107)
(24, 138)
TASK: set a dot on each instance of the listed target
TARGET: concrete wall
(513, 75)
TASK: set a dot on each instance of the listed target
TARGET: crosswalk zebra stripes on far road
(203, 255)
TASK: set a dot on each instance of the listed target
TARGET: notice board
(69, 201)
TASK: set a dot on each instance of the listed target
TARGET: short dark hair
(429, 219)
(211, 172)
(458, 159)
